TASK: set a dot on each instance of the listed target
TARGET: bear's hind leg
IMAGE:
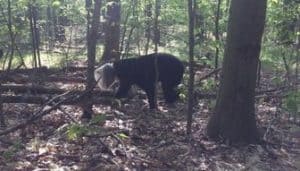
(170, 94)
(150, 95)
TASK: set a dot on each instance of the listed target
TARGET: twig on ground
(41, 112)
(209, 74)
(67, 115)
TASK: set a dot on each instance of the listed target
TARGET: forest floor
(130, 137)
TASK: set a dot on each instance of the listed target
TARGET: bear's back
(142, 69)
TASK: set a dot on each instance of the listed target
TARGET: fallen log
(43, 69)
(23, 99)
(30, 89)
(20, 79)
(43, 99)
(44, 110)
(26, 71)
(37, 89)
(66, 79)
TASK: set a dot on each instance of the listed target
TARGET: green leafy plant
(8, 154)
(292, 102)
(76, 131)
(11, 151)
(98, 119)
(122, 136)
(208, 84)
(277, 80)
(182, 90)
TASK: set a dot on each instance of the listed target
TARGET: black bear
(141, 72)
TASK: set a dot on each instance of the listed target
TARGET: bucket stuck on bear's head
(105, 76)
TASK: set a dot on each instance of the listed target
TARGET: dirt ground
(131, 137)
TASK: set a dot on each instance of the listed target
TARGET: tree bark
(297, 48)
(286, 66)
(156, 41)
(34, 37)
(20, 89)
(88, 7)
(49, 27)
(234, 116)
(156, 25)
(125, 24)
(112, 31)
(11, 34)
(191, 5)
(148, 14)
(258, 74)
(30, 99)
(34, 13)
(217, 37)
(91, 43)
(127, 47)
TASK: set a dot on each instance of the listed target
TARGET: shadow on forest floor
(133, 138)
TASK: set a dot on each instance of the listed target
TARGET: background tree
(156, 30)
(234, 117)
(217, 34)
(91, 43)
(34, 34)
(121, 135)
(191, 8)
(132, 21)
(11, 34)
(148, 15)
(68, 19)
(112, 31)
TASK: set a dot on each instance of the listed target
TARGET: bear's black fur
(141, 72)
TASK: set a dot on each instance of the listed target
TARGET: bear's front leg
(123, 89)
(150, 95)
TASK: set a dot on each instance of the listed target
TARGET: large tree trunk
(234, 117)
(112, 31)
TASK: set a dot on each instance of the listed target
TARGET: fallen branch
(280, 89)
(41, 112)
(44, 70)
(96, 99)
(67, 115)
(270, 96)
(28, 70)
(257, 96)
(37, 89)
(196, 65)
(209, 74)
(30, 89)
(205, 95)
(21, 79)
(55, 103)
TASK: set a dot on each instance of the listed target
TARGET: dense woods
(238, 101)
